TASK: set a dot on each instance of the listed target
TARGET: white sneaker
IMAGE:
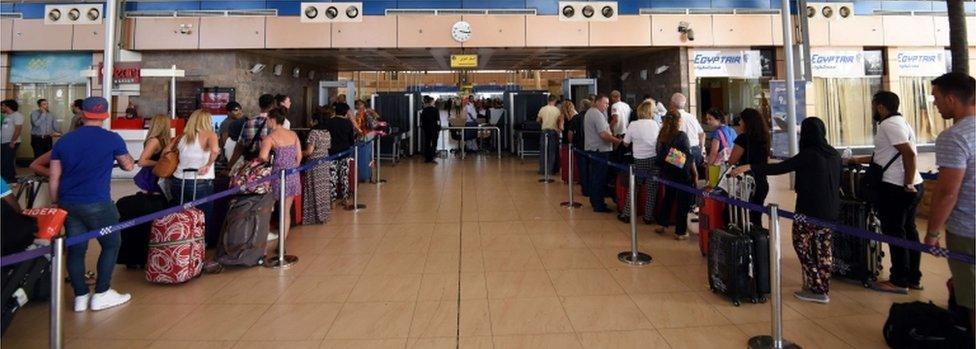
(81, 303)
(108, 299)
(272, 236)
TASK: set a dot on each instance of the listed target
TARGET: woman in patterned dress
(287, 155)
(317, 198)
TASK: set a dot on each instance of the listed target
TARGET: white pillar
(790, 78)
(108, 57)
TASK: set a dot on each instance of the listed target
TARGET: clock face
(461, 31)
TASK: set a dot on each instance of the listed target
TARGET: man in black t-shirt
(340, 105)
(430, 124)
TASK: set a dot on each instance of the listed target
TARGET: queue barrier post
(633, 257)
(282, 261)
(775, 340)
(57, 293)
(379, 161)
(356, 206)
(545, 159)
(571, 204)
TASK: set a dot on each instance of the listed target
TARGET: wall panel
(857, 31)
(664, 30)
(743, 30)
(33, 35)
(496, 31)
(373, 31)
(231, 32)
(163, 34)
(88, 37)
(426, 31)
(290, 32)
(625, 31)
(549, 31)
(909, 30)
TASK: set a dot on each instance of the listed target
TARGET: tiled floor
(470, 254)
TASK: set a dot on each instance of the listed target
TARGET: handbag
(873, 179)
(168, 162)
(676, 158)
(249, 173)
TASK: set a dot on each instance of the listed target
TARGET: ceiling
(420, 59)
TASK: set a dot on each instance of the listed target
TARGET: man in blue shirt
(80, 183)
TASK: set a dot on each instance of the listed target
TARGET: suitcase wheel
(735, 302)
(753, 300)
(762, 299)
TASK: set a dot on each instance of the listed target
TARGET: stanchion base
(568, 204)
(544, 180)
(273, 262)
(379, 181)
(764, 342)
(628, 257)
(355, 207)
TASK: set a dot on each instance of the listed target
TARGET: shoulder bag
(168, 161)
(873, 179)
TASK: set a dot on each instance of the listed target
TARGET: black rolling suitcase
(738, 256)
(135, 240)
(26, 281)
(856, 259)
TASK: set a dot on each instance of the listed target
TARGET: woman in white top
(198, 148)
(642, 134)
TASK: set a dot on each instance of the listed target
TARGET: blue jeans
(204, 188)
(83, 218)
(598, 179)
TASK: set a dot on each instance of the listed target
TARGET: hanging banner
(777, 107)
(837, 64)
(921, 63)
(727, 64)
(464, 61)
(49, 68)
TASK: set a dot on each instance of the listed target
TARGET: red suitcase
(711, 217)
(564, 165)
(176, 245)
(641, 192)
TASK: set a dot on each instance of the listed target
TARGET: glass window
(918, 108)
(845, 106)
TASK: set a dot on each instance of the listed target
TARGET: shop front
(731, 79)
(55, 77)
(843, 82)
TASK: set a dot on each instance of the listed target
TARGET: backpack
(924, 325)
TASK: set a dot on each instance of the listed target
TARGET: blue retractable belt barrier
(861, 233)
(78, 239)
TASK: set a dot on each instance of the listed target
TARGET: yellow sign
(464, 61)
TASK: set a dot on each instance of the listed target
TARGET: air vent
(830, 11)
(70, 14)
(527, 12)
(253, 13)
(203, 13)
(461, 12)
(390, 12)
(584, 11)
(663, 11)
(711, 11)
(331, 12)
(11, 15)
(749, 11)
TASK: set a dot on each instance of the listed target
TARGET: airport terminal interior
(475, 247)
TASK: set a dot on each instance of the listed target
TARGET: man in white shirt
(13, 123)
(900, 190)
(619, 114)
(690, 126)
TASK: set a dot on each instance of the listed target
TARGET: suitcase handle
(196, 175)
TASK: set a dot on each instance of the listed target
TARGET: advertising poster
(49, 68)
(727, 63)
(777, 107)
(922, 63)
(837, 64)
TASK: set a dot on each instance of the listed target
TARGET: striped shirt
(956, 148)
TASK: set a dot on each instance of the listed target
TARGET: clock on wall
(461, 31)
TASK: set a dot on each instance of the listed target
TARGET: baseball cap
(95, 108)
